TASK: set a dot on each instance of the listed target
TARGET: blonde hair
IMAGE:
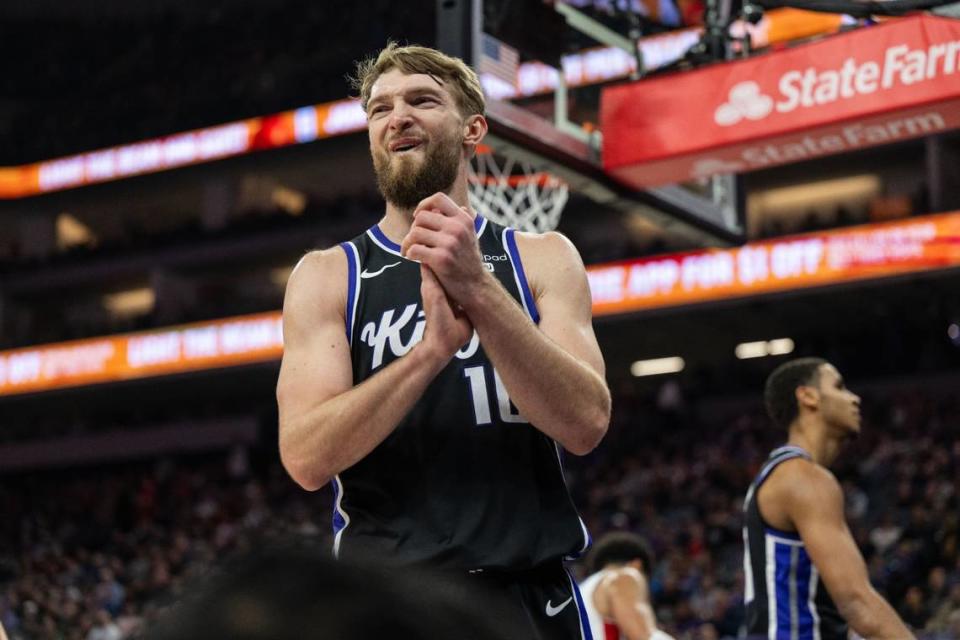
(463, 81)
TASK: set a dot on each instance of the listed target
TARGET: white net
(511, 192)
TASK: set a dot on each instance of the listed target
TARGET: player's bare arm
(327, 424)
(808, 498)
(624, 598)
(554, 372)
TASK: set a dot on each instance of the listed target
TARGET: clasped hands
(442, 238)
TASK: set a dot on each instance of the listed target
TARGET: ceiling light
(657, 366)
(751, 350)
(290, 200)
(794, 200)
(72, 232)
(780, 346)
(763, 348)
(132, 302)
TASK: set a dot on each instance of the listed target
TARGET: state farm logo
(898, 66)
(745, 101)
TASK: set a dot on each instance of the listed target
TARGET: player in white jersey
(616, 595)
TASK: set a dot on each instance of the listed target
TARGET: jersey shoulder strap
(776, 458)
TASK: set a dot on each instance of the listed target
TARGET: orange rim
(540, 178)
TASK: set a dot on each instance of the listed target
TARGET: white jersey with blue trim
(784, 596)
(600, 628)
(464, 481)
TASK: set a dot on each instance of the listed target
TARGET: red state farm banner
(876, 85)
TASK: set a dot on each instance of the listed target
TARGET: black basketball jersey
(784, 596)
(463, 482)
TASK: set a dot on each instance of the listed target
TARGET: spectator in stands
(53, 552)
(947, 616)
(914, 610)
(105, 628)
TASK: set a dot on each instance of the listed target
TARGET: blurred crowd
(678, 477)
(99, 554)
(96, 554)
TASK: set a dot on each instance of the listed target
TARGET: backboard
(542, 64)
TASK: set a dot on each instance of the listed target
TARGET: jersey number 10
(477, 378)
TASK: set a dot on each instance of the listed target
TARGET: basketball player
(616, 595)
(434, 365)
(804, 576)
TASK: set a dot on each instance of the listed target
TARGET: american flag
(498, 60)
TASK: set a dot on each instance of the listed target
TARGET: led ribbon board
(860, 253)
(796, 262)
(194, 347)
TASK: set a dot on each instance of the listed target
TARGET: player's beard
(406, 180)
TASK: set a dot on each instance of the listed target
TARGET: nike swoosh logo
(552, 611)
(366, 274)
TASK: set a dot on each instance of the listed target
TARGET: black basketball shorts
(538, 604)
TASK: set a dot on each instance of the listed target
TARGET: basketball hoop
(511, 192)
